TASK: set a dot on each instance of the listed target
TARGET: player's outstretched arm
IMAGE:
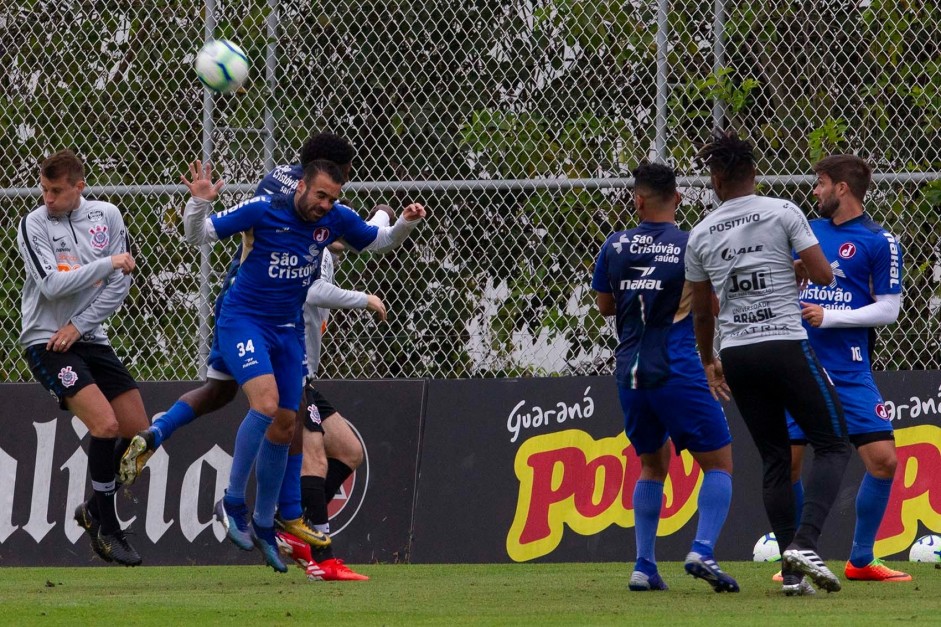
(197, 228)
(380, 215)
(884, 311)
(325, 295)
(390, 237)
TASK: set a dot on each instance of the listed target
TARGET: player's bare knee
(653, 467)
(267, 406)
(315, 457)
(353, 457)
(103, 427)
(883, 467)
(341, 443)
(280, 433)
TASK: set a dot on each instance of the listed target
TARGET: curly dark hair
(728, 157)
(329, 147)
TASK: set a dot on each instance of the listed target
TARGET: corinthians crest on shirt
(99, 236)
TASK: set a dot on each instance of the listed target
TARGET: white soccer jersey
(745, 249)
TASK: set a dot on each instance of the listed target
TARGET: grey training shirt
(745, 248)
(69, 277)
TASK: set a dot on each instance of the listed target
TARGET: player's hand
(800, 271)
(813, 314)
(63, 339)
(414, 211)
(200, 182)
(123, 262)
(375, 304)
(716, 379)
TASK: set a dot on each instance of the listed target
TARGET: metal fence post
(660, 132)
(205, 250)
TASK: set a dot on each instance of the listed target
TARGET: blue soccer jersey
(643, 268)
(867, 261)
(282, 180)
(285, 255)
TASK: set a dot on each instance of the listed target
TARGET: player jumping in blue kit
(640, 278)
(258, 320)
(839, 318)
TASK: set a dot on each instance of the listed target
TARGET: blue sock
(715, 496)
(648, 499)
(798, 502)
(289, 503)
(247, 441)
(871, 501)
(269, 471)
(177, 416)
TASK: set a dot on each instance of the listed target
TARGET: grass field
(543, 594)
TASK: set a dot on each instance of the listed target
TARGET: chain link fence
(516, 122)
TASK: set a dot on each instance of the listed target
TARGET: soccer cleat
(314, 572)
(234, 519)
(299, 528)
(116, 546)
(334, 569)
(87, 522)
(809, 563)
(705, 567)
(294, 548)
(135, 457)
(777, 577)
(796, 584)
(806, 589)
(876, 570)
(642, 582)
(264, 539)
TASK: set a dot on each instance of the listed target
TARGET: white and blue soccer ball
(766, 549)
(926, 549)
(221, 66)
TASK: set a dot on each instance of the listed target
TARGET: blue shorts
(252, 349)
(216, 368)
(862, 405)
(682, 409)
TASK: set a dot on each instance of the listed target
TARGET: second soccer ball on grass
(766, 549)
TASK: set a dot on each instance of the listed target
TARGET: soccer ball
(766, 549)
(926, 549)
(221, 66)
